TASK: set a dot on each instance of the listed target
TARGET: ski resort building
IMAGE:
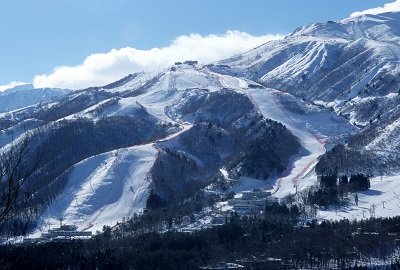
(223, 266)
(191, 62)
(65, 231)
(250, 201)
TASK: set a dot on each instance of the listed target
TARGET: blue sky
(36, 36)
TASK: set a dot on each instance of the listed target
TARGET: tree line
(334, 188)
(248, 240)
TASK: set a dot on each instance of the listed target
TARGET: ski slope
(104, 189)
(155, 91)
(381, 200)
(314, 127)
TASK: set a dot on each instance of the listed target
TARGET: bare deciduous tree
(15, 168)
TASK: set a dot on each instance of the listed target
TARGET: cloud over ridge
(102, 68)
(389, 7)
(11, 85)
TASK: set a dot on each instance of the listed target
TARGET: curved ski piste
(313, 127)
(104, 189)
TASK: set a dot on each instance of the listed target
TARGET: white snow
(246, 184)
(388, 136)
(104, 189)
(166, 88)
(313, 127)
(381, 200)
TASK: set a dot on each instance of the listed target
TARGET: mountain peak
(383, 27)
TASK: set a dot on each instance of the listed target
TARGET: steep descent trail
(138, 169)
(105, 188)
(313, 146)
(128, 186)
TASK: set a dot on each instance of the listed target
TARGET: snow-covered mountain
(350, 66)
(147, 140)
(26, 95)
(382, 27)
(316, 100)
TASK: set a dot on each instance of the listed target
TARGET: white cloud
(11, 85)
(389, 7)
(103, 68)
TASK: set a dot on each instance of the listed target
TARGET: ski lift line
(310, 171)
(172, 84)
(279, 105)
(295, 178)
(278, 186)
(317, 138)
(148, 174)
(101, 210)
(255, 104)
(213, 77)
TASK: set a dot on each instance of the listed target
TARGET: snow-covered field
(381, 200)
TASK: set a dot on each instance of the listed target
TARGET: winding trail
(313, 146)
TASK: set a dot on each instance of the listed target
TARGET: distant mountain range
(26, 95)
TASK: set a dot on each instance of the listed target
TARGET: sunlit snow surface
(314, 127)
(381, 200)
(104, 189)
